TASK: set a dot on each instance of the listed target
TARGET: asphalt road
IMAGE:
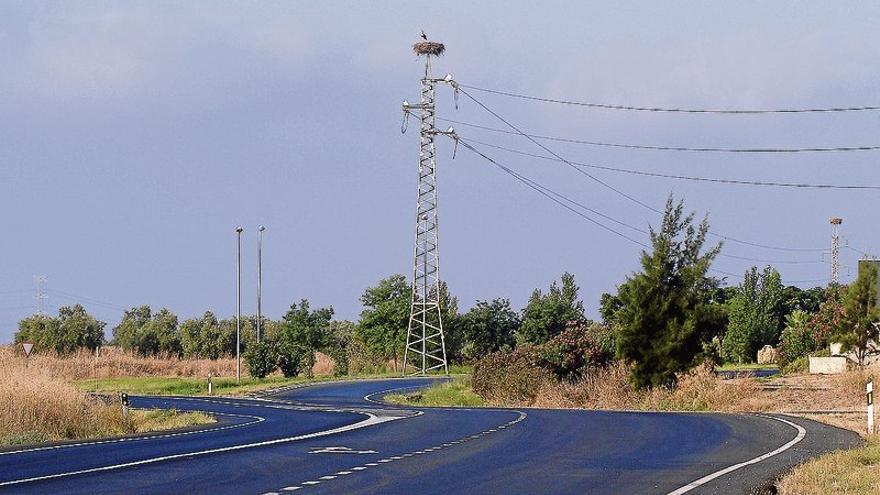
(338, 438)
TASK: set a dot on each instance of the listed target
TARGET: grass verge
(850, 472)
(455, 393)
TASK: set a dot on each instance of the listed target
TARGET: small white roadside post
(123, 397)
(870, 396)
(210, 385)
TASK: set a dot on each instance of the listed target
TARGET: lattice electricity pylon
(835, 248)
(425, 342)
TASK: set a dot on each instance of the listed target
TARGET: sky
(135, 137)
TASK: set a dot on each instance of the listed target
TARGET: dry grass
(849, 472)
(113, 362)
(36, 406)
(609, 388)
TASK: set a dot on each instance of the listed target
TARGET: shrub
(798, 365)
(340, 360)
(261, 359)
(290, 358)
(797, 338)
(572, 353)
(509, 376)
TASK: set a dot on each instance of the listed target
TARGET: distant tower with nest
(835, 249)
(425, 343)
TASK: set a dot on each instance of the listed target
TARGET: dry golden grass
(113, 362)
(847, 472)
(36, 406)
(697, 390)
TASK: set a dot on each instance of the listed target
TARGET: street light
(260, 283)
(238, 231)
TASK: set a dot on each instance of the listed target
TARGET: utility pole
(425, 343)
(238, 311)
(40, 281)
(260, 283)
(835, 249)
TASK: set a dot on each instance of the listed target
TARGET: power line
(89, 300)
(618, 191)
(666, 148)
(545, 192)
(551, 194)
(728, 111)
(681, 177)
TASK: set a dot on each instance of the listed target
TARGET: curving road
(340, 438)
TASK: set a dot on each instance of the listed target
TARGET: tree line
(665, 318)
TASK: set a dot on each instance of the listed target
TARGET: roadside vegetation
(454, 393)
(845, 472)
(35, 407)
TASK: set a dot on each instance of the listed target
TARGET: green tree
(664, 313)
(384, 320)
(547, 315)
(488, 327)
(860, 325)
(148, 333)
(261, 358)
(796, 339)
(306, 329)
(73, 329)
(201, 337)
(754, 313)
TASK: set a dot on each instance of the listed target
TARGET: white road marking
(370, 421)
(310, 483)
(291, 488)
(256, 419)
(359, 468)
(328, 477)
(343, 473)
(705, 479)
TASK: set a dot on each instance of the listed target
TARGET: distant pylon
(425, 342)
(835, 249)
(40, 281)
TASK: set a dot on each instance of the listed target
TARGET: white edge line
(371, 420)
(705, 479)
(256, 419)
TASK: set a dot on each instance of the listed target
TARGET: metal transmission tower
(40, 281)
(835, 248)
(425, 343)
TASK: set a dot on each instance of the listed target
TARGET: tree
(488, 327)
(148, 333)
(796, 339)
(71, 330)
(664, 311)
(305, 329)
(547, 315)
(261, 359)
(384, 320)
(754, 313)
(859, 327)
(201, 337)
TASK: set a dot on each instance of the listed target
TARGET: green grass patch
(455, 393)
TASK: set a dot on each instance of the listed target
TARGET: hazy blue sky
(136, 135)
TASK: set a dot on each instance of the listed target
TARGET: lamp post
(260, 283)
(238, 231)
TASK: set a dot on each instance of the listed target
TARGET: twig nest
(429, 48)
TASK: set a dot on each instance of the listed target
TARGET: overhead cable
(635, 108)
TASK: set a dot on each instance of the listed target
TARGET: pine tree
(664, 314)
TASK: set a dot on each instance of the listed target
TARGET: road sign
(27, 347)
(869, 395)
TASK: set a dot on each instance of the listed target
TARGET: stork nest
(429, 48)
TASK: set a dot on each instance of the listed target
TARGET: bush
(290, 358)
(340, 360)
(261, 359)
(509, 376)
(797, 339)
(799, 365)
(570, 354)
